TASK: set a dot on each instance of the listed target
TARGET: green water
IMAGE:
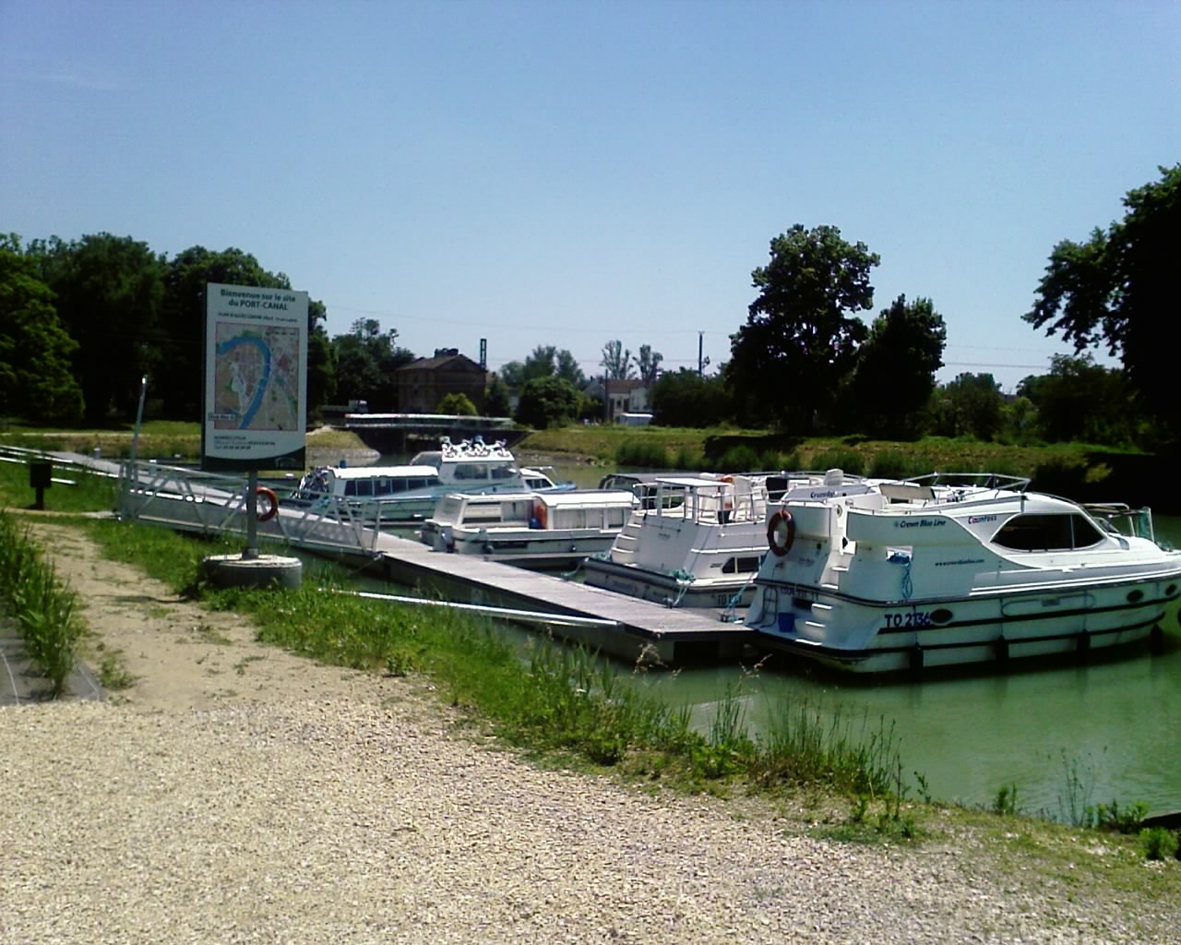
(1111, 729)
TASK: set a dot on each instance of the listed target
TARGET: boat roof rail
(986, 480)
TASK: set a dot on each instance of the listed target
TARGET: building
(426, 381)
(619, 397)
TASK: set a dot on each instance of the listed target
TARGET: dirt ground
(179, 654)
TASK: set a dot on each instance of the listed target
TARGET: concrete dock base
(263, 571)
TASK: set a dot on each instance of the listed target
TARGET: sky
(568, 174)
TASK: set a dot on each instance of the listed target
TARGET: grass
(43, 606)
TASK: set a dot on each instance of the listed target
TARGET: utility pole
(700, 352)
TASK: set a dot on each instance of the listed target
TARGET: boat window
(1047, 533)
(364, 488)
(418, 483)
(471, 471)
(743, 565)
(616, 518)
(382, 487)
(350, 487)
(503, 472)
(398, 485)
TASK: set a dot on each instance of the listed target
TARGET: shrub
(850, 461)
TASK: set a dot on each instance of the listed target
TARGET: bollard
(40, 478)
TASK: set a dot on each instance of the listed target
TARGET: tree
(801, 338)
(109, 292)
(971, 404)
(616, 361)
(896, 367)
(181, 334)
(566, 367)
(366, 361)
(321, 360)
(1081, 400)
(457, 405)
(36, 381)
(685, 399)
(496, 400)
(1119, 287)
(547, 401)
(540, 363)
(649, 364)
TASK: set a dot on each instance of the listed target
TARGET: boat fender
(781, 533)
(538, 515)
(271, 502)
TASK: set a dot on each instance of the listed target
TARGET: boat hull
(664, 588)
(864, 636)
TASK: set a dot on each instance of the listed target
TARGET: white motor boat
(410, 493)
(694, 541)
(533, 529)
(955, 570)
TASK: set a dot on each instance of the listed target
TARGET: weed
(113, 675)
(1160, 843)
(1005, 802)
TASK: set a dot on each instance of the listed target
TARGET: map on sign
(256, 384)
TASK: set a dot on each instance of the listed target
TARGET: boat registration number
(913, 618)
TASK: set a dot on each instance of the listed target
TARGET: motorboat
(409, 493)
(956, 569)
(693, 541)
(532, 529)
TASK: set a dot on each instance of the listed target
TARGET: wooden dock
(642, 630)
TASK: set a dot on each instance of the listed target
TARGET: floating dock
(641, 630)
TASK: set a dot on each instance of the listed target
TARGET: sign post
(255, 402)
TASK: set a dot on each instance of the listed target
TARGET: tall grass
(90, 492)
(43, 606)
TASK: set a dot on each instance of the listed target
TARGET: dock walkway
(625, 627)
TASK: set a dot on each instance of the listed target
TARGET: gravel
(348, 820)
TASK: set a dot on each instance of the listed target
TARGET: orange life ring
(539, 513)
(781, 533)
(262, 492)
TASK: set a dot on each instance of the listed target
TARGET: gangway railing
(215, 504)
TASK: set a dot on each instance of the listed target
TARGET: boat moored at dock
(532, 529)
(409, 493)
(949, 570)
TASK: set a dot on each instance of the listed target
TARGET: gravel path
(269, 800)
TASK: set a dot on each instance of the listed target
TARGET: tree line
(82, 321)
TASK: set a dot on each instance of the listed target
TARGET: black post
(40, 478)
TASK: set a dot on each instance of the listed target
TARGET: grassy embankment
(1078, 470)
(841, 779)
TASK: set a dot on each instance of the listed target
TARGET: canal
(1066, 737)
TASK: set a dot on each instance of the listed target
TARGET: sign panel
(256, 375)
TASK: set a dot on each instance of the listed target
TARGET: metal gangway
(216, 504)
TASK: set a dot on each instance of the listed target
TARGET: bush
(644, 454)
(850, 461)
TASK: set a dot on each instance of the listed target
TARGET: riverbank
(237, 792)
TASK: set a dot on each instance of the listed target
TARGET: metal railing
(215, 504)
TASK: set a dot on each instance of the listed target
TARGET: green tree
(1081, 400)
(649, 364)
(109, 292)
(566, 367)
(617, 361)
(800, 339)
(457, 405)
(970, 405)
(181, 335)
(366, 361)
(36, 380)
(496, 399)
(321, 359)
(513, 374)
(896, 367)
(1118, 288)
(547, 401)
(685, 399)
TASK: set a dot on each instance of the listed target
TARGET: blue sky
(571, 173)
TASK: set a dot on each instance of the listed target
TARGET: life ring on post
(271, 501)
(781, 533)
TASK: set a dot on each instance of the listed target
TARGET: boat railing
(1136, 523)
(977, 480)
